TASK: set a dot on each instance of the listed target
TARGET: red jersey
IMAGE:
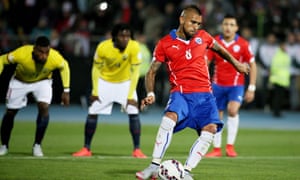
(225, 74)
(185, 60)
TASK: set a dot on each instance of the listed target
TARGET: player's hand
(94, 98)
(65, 99)
(147, 101)
(243, 68)
(249, 96)
(132, 102)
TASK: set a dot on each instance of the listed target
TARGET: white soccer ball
(171, 170)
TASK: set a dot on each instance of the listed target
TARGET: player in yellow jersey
(115, 74)
(33, 74)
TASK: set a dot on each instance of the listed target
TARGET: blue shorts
(194, 110)
(224, 94)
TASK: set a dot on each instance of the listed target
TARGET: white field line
(130, 157)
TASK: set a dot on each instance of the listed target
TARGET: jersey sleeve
(136, 60)
(10, 58)
(97, 65)
(249, 57)
(209, 39)
(136, 56)
(159, 54)
(64, 69)
(65, 74)
(210, 54)
(3, 62)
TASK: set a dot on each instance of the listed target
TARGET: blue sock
(41, 126)
(135, 129)
(90, 128)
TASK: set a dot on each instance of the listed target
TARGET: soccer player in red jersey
(228, 83)
(191, 102)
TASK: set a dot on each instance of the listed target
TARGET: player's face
(229, 28)
(122, 39)
(40, 54)
(191, 23)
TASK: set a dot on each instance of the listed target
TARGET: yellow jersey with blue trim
(114, 65)
(27, 70)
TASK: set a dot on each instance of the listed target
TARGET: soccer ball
(171, 170)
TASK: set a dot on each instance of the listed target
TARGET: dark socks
(135, 129)
(90, 128)
(41, 126)
(6, 127)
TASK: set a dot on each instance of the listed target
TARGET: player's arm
(135, 73)
(134, 78)
(95, 73)
(136, 59)
(65, 77)
(95, 78)
(3, 61)
(250, 93)
(243, 68)
(149, 84)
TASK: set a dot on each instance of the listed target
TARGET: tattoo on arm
(150, 76)
(223, 53)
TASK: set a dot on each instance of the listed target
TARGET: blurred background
(75, 27)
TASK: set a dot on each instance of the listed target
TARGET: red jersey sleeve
(159, 53)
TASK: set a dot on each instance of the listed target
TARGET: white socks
(217, 142)
(232, 128)
(198, 150)
(163, 139)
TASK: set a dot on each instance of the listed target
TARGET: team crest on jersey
(124, 57)
(236, 48)
(198, 40)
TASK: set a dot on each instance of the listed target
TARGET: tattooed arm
(243, 68)
(149, 83)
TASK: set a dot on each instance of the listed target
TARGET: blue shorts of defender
(194, 110)
(224, 94)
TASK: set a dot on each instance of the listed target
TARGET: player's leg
(89, 131)
(6, 128)
(42, 122)
(232, 131)
(200, 147)
(217, 142)
(221, 99)
(135, 131)
(176, 109)
(16, 98)
(135, 126)
(204, 113)
(233, 119)
(101, 105)
(162, 142)
(42, 91)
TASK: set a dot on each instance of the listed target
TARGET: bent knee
(212, 128)
(172, 115)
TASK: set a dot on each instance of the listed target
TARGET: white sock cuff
(217, 142)
(167, 123)
(207, 136)
(236, 117)
(233, 122)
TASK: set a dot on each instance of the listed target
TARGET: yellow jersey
(112, 65)
(28, 71)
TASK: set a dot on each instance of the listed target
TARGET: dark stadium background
(77, 26)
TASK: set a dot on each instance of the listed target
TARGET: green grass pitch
(263, 154)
